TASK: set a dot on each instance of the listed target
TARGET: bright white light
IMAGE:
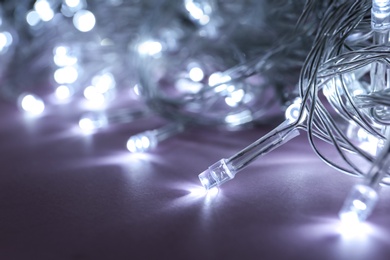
(239, 118)
(43, 8)
(142, 142)
(292, 112)
(197, 13)
(188, 86)
(92, 121)
(84, 20)
(150, 48)
(139, 144)
(213, 191)
(103, 82)
(86, 124)
(196, 74)
(63, 92)
(62, 57)
(136, 90)
(61, 50)
(350, 218)
(5, 40)
(359, 205)
(92, 94)
(72, 3)
(32, 104)
(217, 79)
(66, 75)
(235, 97)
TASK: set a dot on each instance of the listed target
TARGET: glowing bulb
(197, 12)
(217, 79)
(235, 97)
(32, 104)
(72, 3)
(142, 142)
(5, 40)
(196, 74)
(91, 122)
(137, 90)
(150, 48)
(359, 204)
(33, 18)
(92, 94)
(217, 174)
(62, 57)
(66, 75)
(292, 112)
(63, 92)
(103, 82)
(84, 20)
(42, 7)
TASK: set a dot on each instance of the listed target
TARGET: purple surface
(64, 195)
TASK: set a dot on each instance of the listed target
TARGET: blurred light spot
(103, 82)
(32, 18)
(32, 104)
(73, 3)
(5, 40)
(84, 20)
(235, 97)
(66, 75)
(150, 48)
(63, 58)
(196, 74)
(63, 92)
(217, 79)
(42, 7)
(93, 95)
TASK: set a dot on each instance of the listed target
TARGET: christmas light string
(338, 71)
(335, 57)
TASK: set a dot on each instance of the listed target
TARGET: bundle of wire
(227, 75)
(347, 62)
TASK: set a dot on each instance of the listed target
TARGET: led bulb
(358, 205)
(293, 111)
(31, 104)
(150, 48)
(93, 121)
(142, 142)
(84, 20)
(63, 92)
(217, 174)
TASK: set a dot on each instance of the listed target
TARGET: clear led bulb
(148, 140)
(142, 142)
(225, 169)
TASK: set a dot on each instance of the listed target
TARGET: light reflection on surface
(345, 240)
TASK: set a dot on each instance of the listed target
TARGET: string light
(204, 63)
